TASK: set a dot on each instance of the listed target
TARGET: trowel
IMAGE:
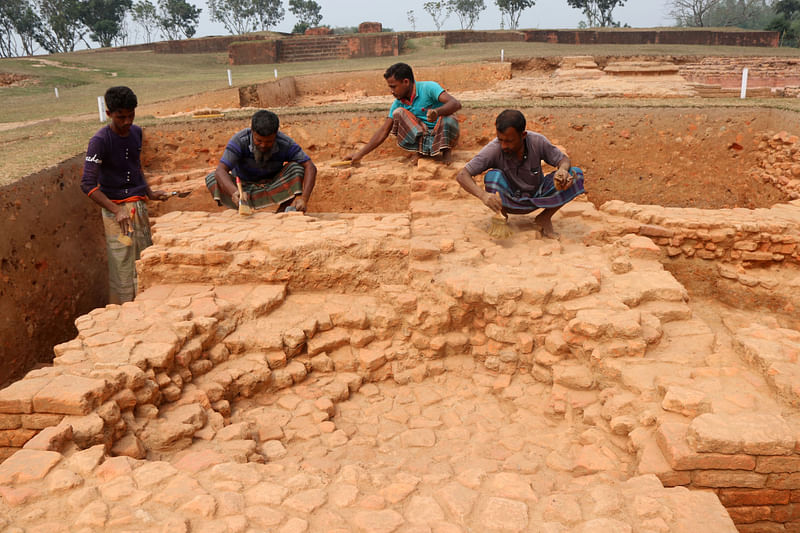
(180, 194)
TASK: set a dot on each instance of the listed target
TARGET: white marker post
(230, 80)
(502, 53)
(744, 83)
(101, 109)
(56, 88)
(276, 74)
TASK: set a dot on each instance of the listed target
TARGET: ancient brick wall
(699, 37)
(202, 45)
(370, 27)
(727, 71)
(254, 52)
(53, 267)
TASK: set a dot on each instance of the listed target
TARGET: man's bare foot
(447, 157)
(414, 159)
(546, 224)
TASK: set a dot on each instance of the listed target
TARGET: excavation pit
(382, 364)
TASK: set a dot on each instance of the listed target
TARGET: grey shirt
(524, 175)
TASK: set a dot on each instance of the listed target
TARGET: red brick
(16, 437)
(783, 481)
(729, 478)
(749, 514)
(743, 497)
(671, 439)
(794, 496)
(761, 527)
(778, 463)
(786, 513)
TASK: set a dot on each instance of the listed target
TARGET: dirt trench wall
(53, 265)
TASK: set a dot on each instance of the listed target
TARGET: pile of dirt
(10, 79)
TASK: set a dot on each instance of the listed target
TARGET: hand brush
(244, 209)
(500, 228)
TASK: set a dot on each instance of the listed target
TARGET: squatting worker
(113, 178)
(421, 117)
(515, 182)
(273, 169)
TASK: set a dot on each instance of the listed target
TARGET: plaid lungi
(285, 186)
(414, 135)
(122, 283)
(518, 202)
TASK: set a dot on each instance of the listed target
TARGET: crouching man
(515, 182)
(272, 168)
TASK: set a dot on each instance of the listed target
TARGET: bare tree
(439, 11)
(692, 13)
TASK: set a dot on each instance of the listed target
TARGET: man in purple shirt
(515, 182)
(113, 178)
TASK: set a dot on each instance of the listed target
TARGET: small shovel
(244, 209)
(180, 194)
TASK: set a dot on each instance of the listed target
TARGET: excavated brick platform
(390, 367)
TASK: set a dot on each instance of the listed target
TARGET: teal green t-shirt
(425, 98)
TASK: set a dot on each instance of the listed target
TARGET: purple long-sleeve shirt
(114, 167)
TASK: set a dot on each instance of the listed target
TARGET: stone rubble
(405, 372)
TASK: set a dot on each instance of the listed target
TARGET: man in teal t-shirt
(421, 117)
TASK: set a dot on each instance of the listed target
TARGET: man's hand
(235, 197)
(493, 202)
(562, 179)
(432, 115)
(160, 195)
(123, 218)
(300, 204)
(354, 158)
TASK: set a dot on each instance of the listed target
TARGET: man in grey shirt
(515, 182)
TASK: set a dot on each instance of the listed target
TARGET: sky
(545, 14)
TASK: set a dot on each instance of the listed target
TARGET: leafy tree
(747, 14)
(19, 24)
(238, 16)
(786, 21)
(598, 12)
(439, 12)
(145, 15)
(467, 11)
(307, 13)
(692, 13)
(62, 25)
(176, 18)
(104, 19)
(511, 10)
(269, 13)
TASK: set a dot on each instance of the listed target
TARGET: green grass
(72, 118)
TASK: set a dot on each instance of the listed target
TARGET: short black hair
(120, 98)
(510, 118)
(265, 122)
(400, 72)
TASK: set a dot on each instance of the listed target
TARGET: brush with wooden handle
(244, 209)
(127, 239)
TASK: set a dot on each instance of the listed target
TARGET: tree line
(56, 26)
(60, 25)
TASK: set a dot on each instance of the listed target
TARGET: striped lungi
(518, 202)
(122, 283)
(285, 186)
(414, 135)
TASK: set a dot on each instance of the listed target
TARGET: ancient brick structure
(320, 30)
(370, 27)
(634, 37)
